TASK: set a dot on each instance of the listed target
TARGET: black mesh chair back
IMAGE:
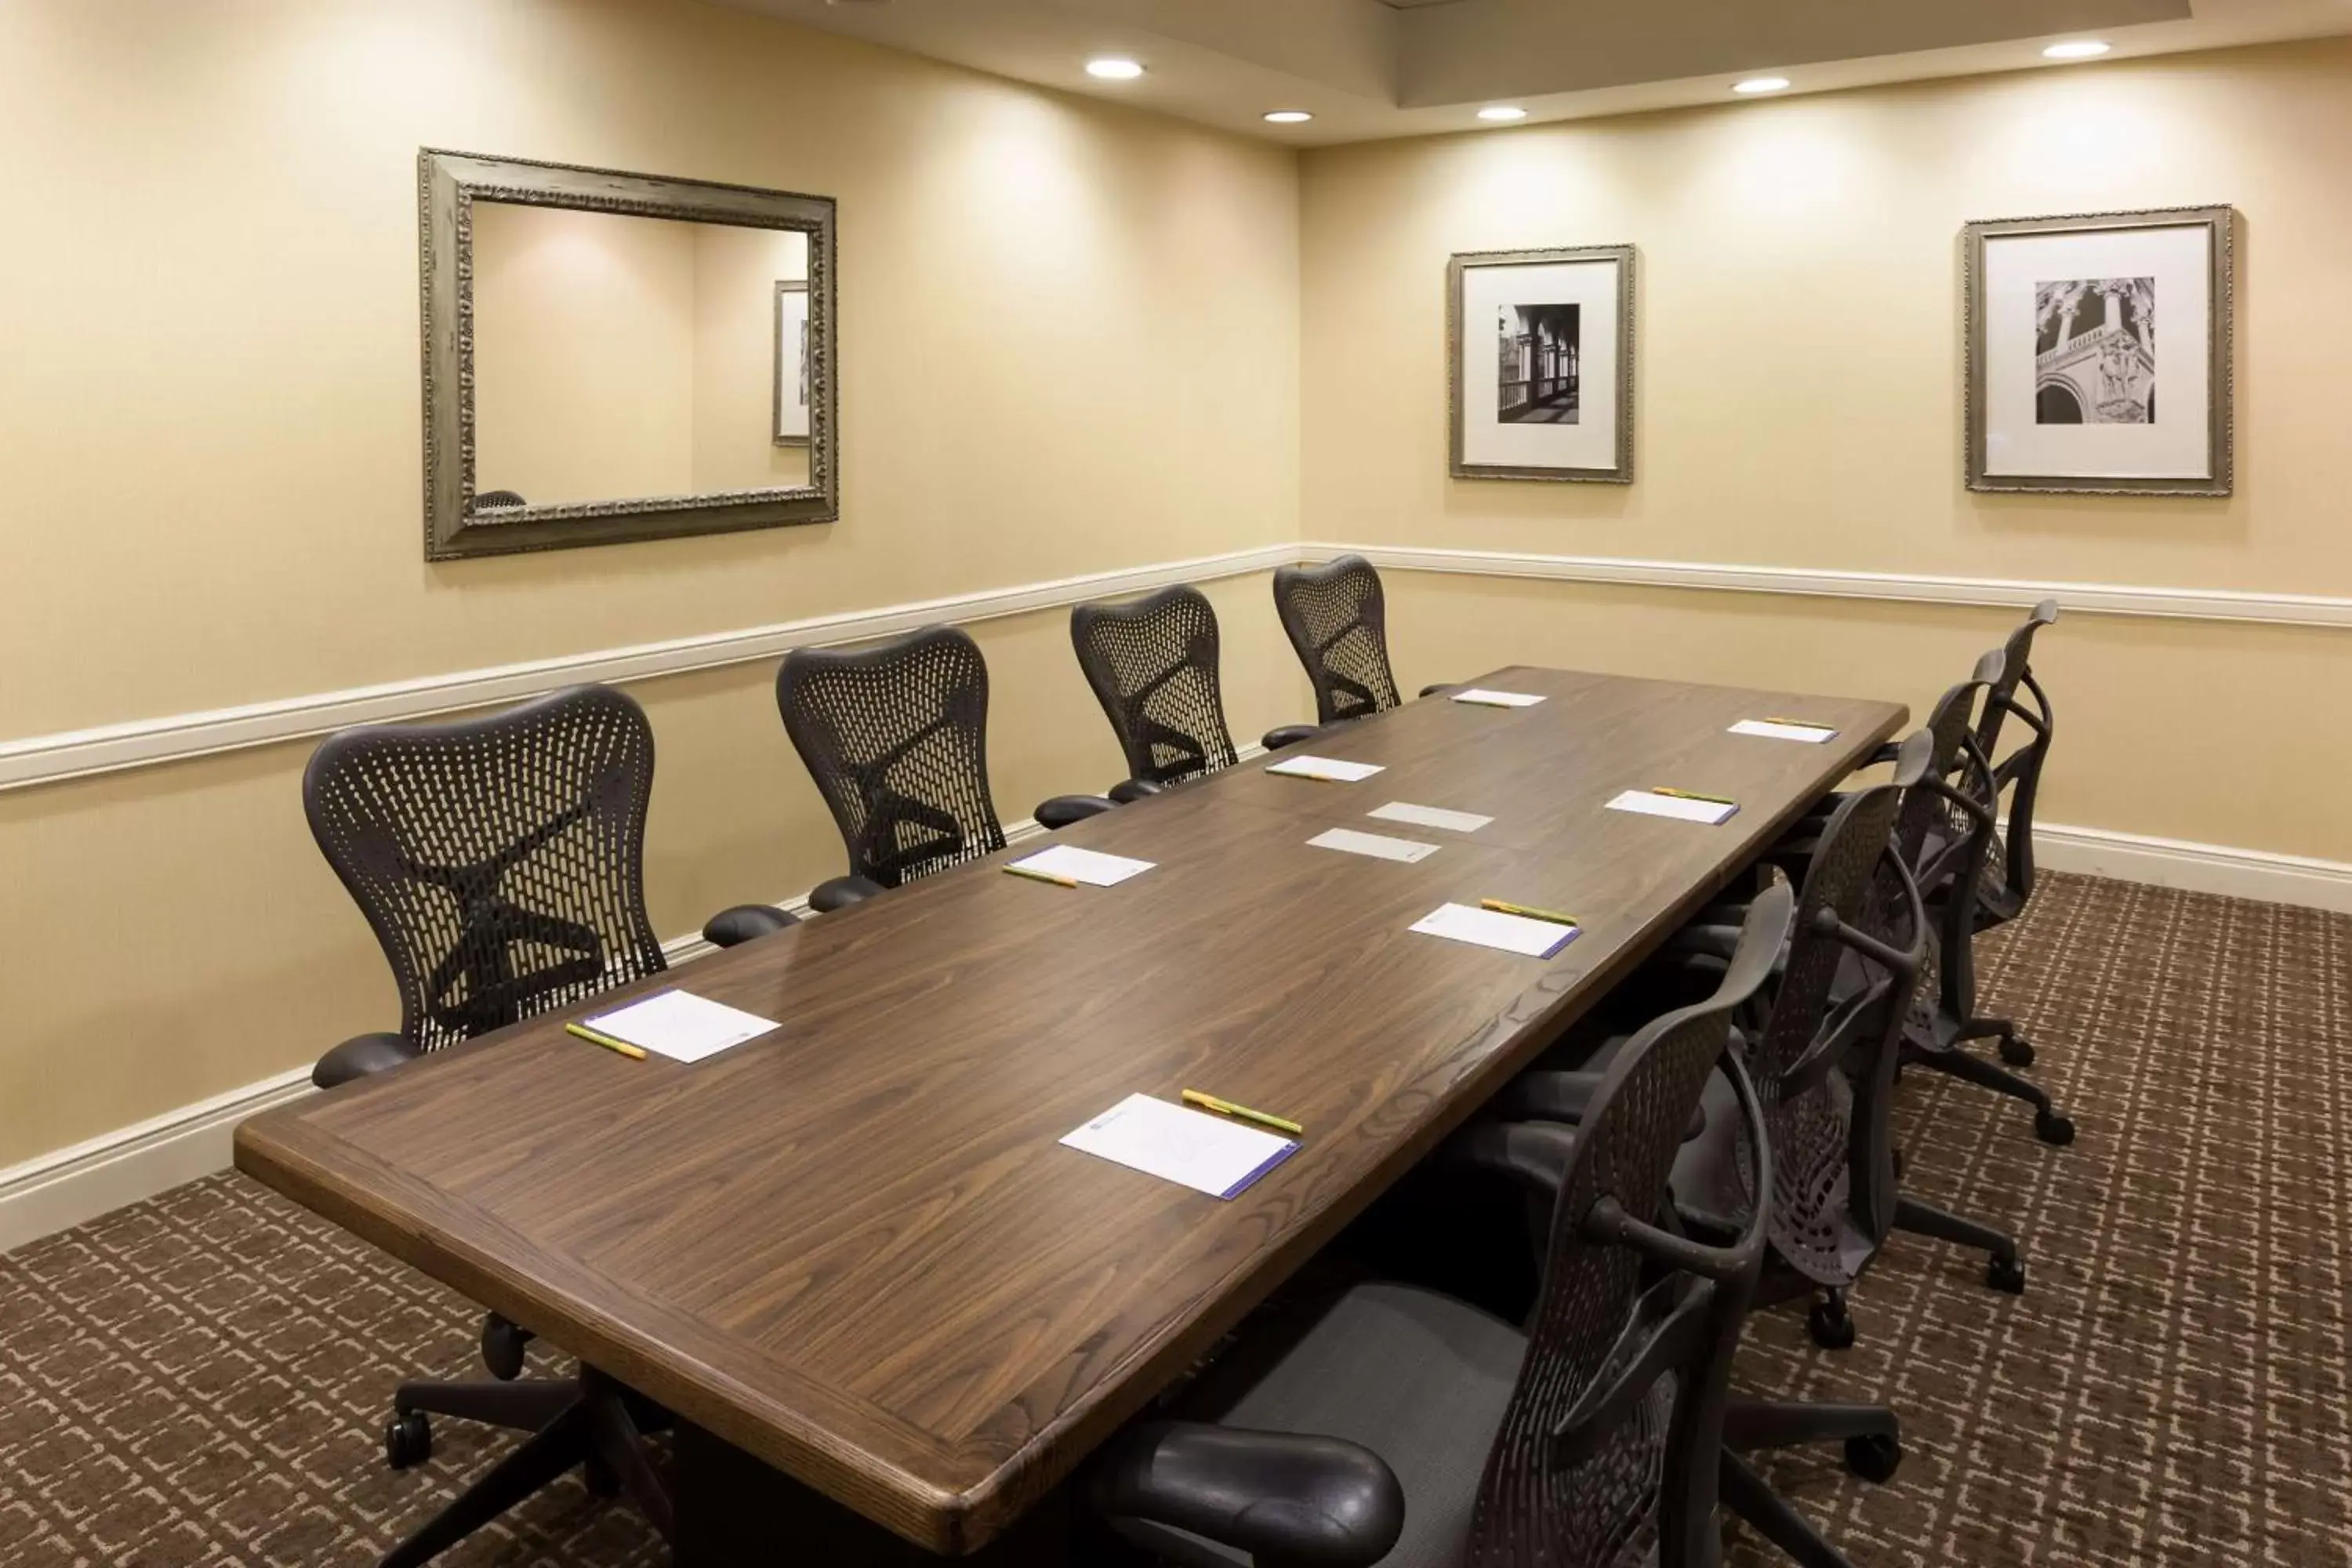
(1945, 839)
(1152, 663)
(1608, 1451)
(500, 860)
(2008, 879)
(1337, 617)
(895, 735)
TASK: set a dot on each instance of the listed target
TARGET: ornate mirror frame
(448, 186)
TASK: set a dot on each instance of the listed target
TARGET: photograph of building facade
(1539, 346)
(2094, 351)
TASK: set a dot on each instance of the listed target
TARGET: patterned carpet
(202, 1379)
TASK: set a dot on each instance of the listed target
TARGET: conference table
(851, 1255)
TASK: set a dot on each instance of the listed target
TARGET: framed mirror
(611, 356)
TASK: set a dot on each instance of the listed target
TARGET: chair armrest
(361, 1056)
(1289, 735)
(1439, 690)
(1065, 809)
(1127, 792)
(1533, 1153)
(843, 891)
(1279, 1496)
(733, 928)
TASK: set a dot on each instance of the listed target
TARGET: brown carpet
(203, 1378)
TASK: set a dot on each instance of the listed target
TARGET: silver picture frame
(2218, 415)
(1619, 470)
(787, 290)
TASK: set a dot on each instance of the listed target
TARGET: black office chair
(2008, 880)
(1408, 1428)
(895, 735)
(1152, 663)
(491, 500)
(1336, 615)
(500, 862)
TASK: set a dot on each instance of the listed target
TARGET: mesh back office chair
(895, 735)
(500, 861)
(2008, 880)
(1152, 663)
(491, 500)
(1407, 1429)
(1336, 615)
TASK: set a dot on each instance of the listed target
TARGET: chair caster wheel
(1874, 1456)
(599, 1479)
(408, 1439)
(1830, 1324)
(2053, 1128)
(2017, 1050)
(2007, 1275)
(502, 1348)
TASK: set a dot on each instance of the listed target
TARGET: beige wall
(209, 426)
(736, 271)
(1797, 398)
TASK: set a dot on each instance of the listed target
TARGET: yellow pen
(1800, 723)
(1693, 794)
(1500, 908)
(634, 1053)
(1227, 1107)
(1036, 876)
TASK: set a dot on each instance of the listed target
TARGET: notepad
(1378, 845)
(1204, 1153)
(1092, 866)
(1331, 769)
(1784, 729)
(1486, 698)
(1492, 928)
(1430, 816)
(680, 1026)
(1681, 807)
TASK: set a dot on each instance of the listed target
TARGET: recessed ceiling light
(1755, 84)
(1502, 111)
(1114, 67)
(1287, 117)
(2079, 49)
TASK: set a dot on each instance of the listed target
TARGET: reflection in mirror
(619, 357)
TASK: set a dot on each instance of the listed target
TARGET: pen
(1693, 794)
(1800, 723)
(1227, 1107)
(1500, 908)
(634, 1053)
(1035, 874)
(1295, 773)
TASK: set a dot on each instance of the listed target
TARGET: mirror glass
(619, 357)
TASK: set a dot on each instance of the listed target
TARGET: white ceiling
(1371, 69)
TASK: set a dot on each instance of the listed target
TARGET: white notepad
(1091, 867)
(1492, 928)
(680, 1026)
(1775, 730)
(1430, 816)
(1204, 1153)
(1328, 768)
(1486, 698)
(1679, 807)
(1378, 845)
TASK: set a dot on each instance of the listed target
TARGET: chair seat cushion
(1418, 1378)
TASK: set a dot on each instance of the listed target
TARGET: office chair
(895, 735)
(2008, 880)
(492, 500)
(1152, 663)
(1408, 1428)
(500, 862)
(1336, 615)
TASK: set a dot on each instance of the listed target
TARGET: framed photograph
(2098, 352)
(1541, 351)
(791, 363)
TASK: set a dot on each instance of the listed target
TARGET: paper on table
(679, 1024)
(1774, 729)
(1204, 1153)
(1091, 867)
(1430, 816)
(1378, 846)
(1681, 807)
(1486, 698)
(1330, 768)
(1492, 928)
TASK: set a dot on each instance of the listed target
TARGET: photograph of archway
(1539, 372)
(2094, 351)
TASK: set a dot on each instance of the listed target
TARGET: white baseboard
(2195, 868)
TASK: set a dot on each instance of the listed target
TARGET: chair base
(1873, 1447)
(1953, 1058)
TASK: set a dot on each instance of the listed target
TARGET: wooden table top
(854, 1247)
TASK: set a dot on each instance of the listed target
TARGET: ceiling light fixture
(1502, 111)
(2078, 49)
(1114, 67)
(1756, 84)
(1287, 117)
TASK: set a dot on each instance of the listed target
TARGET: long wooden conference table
(852, 1251)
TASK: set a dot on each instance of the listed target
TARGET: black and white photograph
(1559, 403)
(1537, 368)
(792, 363)
(2058, 339)
(2094, 351)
